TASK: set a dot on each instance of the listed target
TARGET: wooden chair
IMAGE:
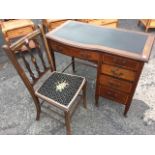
(60, 90)
(49, 25)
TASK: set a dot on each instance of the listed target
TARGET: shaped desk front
(120, 55)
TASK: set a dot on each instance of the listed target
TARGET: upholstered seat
(61, 88)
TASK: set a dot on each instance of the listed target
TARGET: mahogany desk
(120, 55)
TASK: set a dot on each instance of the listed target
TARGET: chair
(49, 25)
(59, 89)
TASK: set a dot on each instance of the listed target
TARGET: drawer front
(19, 32)
(104, 23)
(113, 95)
(118, 72)
(115, 83)
(70, 51)
(114, 25)
(121, 61)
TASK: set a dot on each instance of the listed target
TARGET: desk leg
(127, 108)
(97, 94)
(133, 89)
(73, 64)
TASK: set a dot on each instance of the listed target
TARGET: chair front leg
(68, 122)
(38, 108)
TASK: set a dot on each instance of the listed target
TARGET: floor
(17, 111)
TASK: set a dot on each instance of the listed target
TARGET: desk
(120, 55)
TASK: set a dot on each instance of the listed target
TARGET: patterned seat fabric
(61, 87)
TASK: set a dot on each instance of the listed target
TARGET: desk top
(120, 42)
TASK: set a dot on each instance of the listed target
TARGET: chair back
(36, 61)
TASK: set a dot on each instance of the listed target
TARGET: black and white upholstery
(61, 89)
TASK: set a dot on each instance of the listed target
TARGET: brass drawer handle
(119, 60)
(58, 48)
(124, 62)
(84, 55)
(116, 73)
(112, 95)
(114, 84)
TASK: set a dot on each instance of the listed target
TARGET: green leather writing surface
(93, 35)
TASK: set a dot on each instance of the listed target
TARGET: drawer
(75, 52)
(113, 95)
(113, 25)
(115, 83)
(118, 72)
(108, 23)
(19, 32)
(121, 61)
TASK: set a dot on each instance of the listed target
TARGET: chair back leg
(38, 108)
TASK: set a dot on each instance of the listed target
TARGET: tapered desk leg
(73, 64)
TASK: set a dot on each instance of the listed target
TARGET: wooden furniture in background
(147, 23)
(14, 29)
(102, 22)
(120, 55)
(50, 24)
(60, 90)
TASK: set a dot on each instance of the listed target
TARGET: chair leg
(68, 122)
(38, 115)
(84, 96)
(38, 108)
(73, 64)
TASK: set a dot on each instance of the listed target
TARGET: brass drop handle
(85, 55)
(109, 93)
(120, 61)
(114, 84)
(124, 62)
(116, 73)
(112, 95)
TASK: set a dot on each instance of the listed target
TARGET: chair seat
(61, 88)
